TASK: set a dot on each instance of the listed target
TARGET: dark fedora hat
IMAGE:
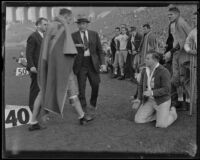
(82, 18)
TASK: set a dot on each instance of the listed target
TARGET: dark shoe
(121, 78)
(185, 106)
(133, 80)
(115, 76)
(182, 106)
(88, 117)
(36, 126)
(85, 119)
(128, 78)
(92, 110)
(176, 104)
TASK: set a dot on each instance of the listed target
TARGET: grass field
(113, 131)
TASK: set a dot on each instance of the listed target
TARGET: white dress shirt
(150, 81)
(123, 41)
(41, 34)
(87, 52)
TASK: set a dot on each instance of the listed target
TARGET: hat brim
(82, 20)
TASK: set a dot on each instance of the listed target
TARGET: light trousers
(120, 60)
(150, 111)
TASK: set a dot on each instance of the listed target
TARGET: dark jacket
(162, 85)
(95, 49)
(34, 42)
(114, 47)
(137, 41)
(169, 43)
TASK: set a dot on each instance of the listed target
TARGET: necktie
(85, 41)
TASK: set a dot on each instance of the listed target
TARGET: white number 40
(17, 115)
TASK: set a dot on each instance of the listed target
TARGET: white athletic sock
(35, 122)
(81, 116)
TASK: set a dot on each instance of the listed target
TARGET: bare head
(194, 18)
(146, 28)
(66, 14)
(41, 24)
(173, 14)
(152, 58)
(117, 31)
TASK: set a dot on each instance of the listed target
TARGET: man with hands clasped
(154, 94)
(87, 63)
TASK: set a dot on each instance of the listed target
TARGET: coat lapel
(38, 36)
(80, 41)
(156, 70)
(89, 36)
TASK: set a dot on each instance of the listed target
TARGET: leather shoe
(36, 126)
(134, 80)
(85, 119)
(115, 76)
(92, 110)
(121, 78)
(183, 106)
(88, 117)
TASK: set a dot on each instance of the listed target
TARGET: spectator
(191, 48)
(132, 47)
(179, 29)
(107, 57)
(114, 45)
(149, 42)
(121, 53)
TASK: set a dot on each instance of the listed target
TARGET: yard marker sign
(17, 115)
(21, 71)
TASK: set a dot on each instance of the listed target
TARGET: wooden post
(192, 82)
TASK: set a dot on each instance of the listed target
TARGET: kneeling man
(154, 99)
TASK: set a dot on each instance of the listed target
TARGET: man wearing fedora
(88, 62)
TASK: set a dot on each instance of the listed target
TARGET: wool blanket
(55, 65)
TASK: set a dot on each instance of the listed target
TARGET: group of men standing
(60, 62)
(59, 65)
(158, 87)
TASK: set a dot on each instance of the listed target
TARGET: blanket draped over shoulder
(55, 65)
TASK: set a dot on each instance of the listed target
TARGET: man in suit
(87, 63)
(154, 94)
(32, 55)
(132, 47)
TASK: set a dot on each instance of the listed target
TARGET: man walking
(87, 63)
(32, 55)
(55, 76)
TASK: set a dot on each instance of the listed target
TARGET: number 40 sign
(17, 115)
